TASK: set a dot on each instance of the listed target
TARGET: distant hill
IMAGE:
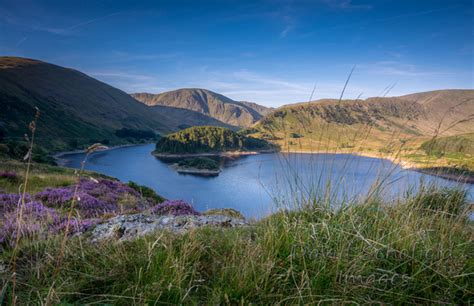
(262, 110)
(187, 118)
(76, 109)
(207, 139)
(217, 106)
(371, 124)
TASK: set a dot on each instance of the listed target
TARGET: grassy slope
(417, 250)
(393, 127)
(406, 253)
(41, 176)
(463, 144)
(207, 102)
(74, 107)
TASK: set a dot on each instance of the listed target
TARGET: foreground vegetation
(415, 250)
(363, 253)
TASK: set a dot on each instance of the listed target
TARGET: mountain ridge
(378, 127)
(215, 105)
(447, 105)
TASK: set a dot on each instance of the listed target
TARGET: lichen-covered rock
(229, 212)
(127, 227)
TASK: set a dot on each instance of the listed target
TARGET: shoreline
(404, 164)
(195, 171)
(220, 154)
(61, 161)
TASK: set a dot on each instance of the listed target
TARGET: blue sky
(271, 52)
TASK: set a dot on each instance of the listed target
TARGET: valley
(194, 177)
(250, 152)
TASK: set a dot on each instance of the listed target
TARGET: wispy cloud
(121, 56)
(387, 19)
(128, 81)
(242, 84)
(22, 40)
(245, 75)
(270, 90)
(396, 68)
(346, 5)
(285, 31)
(73, 28)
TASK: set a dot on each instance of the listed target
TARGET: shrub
(10, 201)
(93, 198)
(146, 192)
(295, 135)
(12, 177)
(34, 220)
(175, 208)
(199, 163)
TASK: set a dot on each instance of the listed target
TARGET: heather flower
(32, 221)
(11, 176)
(75, 225)
(108, 190)
(174, 207)
(91, 206)
(10, 201)
(55, 196)
(93, 197)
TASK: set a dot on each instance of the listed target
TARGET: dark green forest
(203, 139)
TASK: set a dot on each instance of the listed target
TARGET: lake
(257, 185)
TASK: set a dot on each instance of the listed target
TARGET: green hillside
(208, 139)
(463, 144)
(375, 126)
(76, 110)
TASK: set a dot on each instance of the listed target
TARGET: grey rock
(128, 227)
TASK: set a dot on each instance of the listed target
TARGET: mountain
(372, 124)
(76, 109)
(217, 106)
(262, 110)
(187, 118)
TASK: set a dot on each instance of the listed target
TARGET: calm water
(253, 184)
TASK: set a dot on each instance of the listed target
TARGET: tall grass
(21, 201)
(407, 252)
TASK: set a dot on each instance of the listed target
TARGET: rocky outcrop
(128, 227)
